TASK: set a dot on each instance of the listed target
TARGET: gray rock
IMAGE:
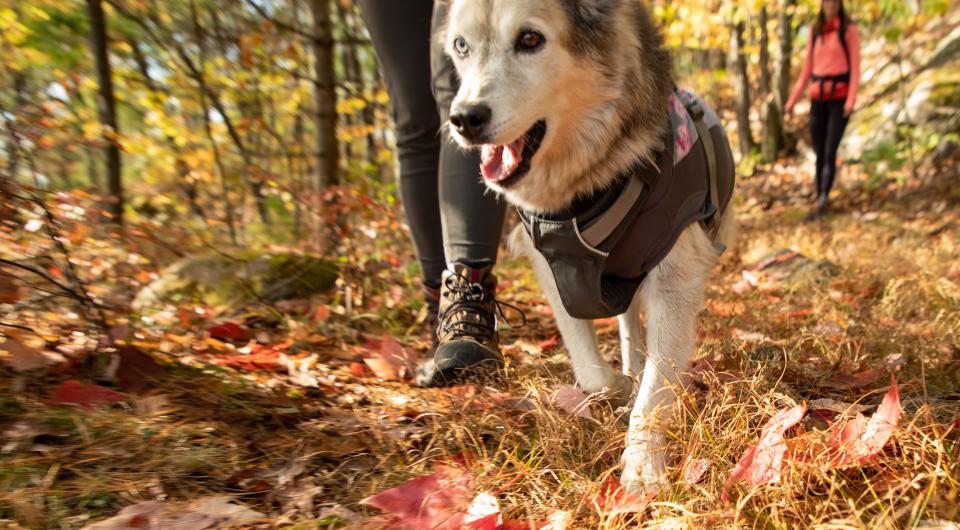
(219, 280)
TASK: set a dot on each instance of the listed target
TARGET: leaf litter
(207, 417)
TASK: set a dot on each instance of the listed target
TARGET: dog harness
(602, 248)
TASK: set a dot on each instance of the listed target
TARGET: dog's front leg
(672, 295)
(630, 339)
(593, 373)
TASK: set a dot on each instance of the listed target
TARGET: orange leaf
(357, 369)
(389, 360)
(760, 463)
(322, 314)
(264, 359)
(612, 499)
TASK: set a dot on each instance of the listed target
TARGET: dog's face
(533, 98)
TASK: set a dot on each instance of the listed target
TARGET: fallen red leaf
(388, 359)
(856, 440)
(89, 397)
(261, 358)
(322, 314)
(552, 342)
(438, 501)
(847, 381)
(496, 522)
(357, 369)
(695, 469)
(760, 463)
(230, 331)
(572, 400)
(136, 369)
(612, 499)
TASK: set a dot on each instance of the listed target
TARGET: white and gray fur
(601, 83)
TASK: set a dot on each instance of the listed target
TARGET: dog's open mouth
(505, 165)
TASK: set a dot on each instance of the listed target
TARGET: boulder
(793, 270)
(221, 280)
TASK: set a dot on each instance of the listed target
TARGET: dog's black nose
(471, 121)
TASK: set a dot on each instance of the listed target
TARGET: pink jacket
(826, 58)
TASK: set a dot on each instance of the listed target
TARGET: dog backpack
(602, 247)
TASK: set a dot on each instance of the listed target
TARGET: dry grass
(896, 293)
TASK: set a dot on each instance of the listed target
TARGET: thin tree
(325, 96)
(772, 136)
(743, 88)
(106, 107)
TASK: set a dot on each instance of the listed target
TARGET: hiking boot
(431, 296)
(820, 210)
(467, 340)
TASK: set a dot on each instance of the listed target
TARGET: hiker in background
(833, 65)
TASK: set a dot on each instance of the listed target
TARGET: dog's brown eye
(529, 41)
(461, 46)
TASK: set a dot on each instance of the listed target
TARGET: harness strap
(603, 226)
(696, 112)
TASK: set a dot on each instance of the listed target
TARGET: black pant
(451, 214)
(827, 124)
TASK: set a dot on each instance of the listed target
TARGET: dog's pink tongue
(498, 162)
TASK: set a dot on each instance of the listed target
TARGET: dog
(570, 103)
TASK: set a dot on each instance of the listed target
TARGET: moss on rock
(219, 280)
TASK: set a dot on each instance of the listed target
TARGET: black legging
(827, 124)
(451, 214)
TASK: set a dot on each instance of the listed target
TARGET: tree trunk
(324, 96)
(786, 53)
(772, 119)
(106, 107)
(784, 67)
(303, 170)
(13, 144)
(743, 91)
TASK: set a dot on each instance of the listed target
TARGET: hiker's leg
(400, 32)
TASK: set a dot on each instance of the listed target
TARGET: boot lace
(469, 301)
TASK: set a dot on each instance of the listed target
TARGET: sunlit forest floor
(283, 414)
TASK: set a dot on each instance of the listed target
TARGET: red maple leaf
(85, 396)
(760, 463)
(612, 499)
(230, 331)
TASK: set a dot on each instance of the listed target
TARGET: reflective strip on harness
(602, 227)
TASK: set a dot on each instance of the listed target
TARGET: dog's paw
(644, 471)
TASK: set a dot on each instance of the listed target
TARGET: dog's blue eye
(461, 46)
(529, 41)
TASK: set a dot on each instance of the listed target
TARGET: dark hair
(822, 20)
